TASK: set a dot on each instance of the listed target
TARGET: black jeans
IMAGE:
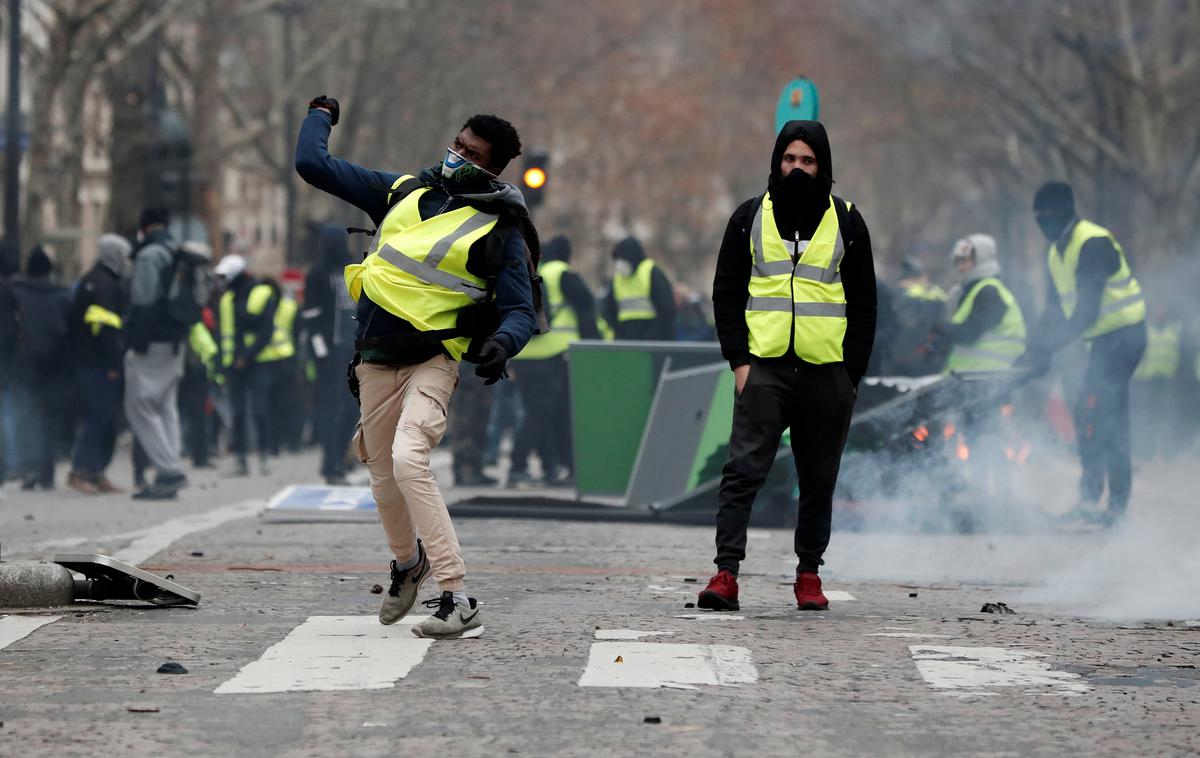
(1102, 416)
(250, 394)
(102, 410)
(337, 413)
(815, 402)
(547, 426)
(193, 412)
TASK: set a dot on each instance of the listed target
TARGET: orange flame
(921, 433)
(961, 450)
(948, 431)
(1006, 410)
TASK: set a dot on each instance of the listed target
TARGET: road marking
(144, 543)
(840, 596)
(907, 635)
(970, 668)
(718, 616)
(628, 634)
(13, 628)
(328, 653)
(657, 664)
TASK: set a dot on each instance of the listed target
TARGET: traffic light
(534, 178)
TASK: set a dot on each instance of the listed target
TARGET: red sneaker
(720, 594)
(808, 592)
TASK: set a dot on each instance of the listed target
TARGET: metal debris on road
(142, 709)
(912, 594)
(377, 589)
(652, 720)
(996, 608)
(171, 667)
(197, 554)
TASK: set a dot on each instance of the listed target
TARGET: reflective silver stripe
(756, 239)
(778, 304)
(818, 274)
(1121, 304)
(769, 304)
(634, 304)
(442, 246)
(435, 276)
(774, 268)
(832, 310)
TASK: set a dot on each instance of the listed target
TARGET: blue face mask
(459, 171)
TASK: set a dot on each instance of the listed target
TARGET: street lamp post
(12, 135)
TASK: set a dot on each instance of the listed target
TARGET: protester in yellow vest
(987, 329)
(795, 305)
(542, 371)
(1093, 295)
(986, 334)
(449, 277)
(640, 302)
(249, 317)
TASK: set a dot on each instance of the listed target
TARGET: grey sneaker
(451, 620)
(402, 595)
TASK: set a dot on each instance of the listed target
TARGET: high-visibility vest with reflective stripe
(1163, 353)
(632, 293)
(202, 343)
(256, 303)
(98, 317)
(998, 347)
(281, 336)
(564, 327)
(1122, 303)
(922, 291)
(804, 299)
(418, 271)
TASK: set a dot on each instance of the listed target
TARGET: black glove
(320, 101)
(493, 356)
(1035, 362)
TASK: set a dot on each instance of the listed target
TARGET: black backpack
(186, 289)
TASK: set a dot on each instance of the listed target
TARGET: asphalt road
(284, 657)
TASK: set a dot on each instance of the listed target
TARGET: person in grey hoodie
(154, 360)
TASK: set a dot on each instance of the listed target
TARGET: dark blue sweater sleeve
(364, 188)
(514, 297)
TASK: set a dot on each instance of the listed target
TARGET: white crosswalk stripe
(13, 628)
(334, 653)
(658, 664)
(968, 670)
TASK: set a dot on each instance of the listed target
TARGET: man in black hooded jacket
(795, 306)
(329, 321)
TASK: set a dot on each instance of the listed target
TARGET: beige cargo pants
(403, 419)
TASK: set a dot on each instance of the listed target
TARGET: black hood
(629, 249)
(557, 249)
(812, 133)
(332, 254)
(800, 200)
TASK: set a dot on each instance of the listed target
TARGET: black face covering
(800, 201)
(1052, 226)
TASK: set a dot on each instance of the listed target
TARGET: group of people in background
(194, 357)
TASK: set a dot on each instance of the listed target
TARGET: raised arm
(364, 188)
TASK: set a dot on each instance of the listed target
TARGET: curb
(35, 584)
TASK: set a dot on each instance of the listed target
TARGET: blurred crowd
(200, 363)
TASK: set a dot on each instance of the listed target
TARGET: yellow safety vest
(632, 293)
(97, 317)
(1122, 303)
(418, 271)
(564, 327)
(1000, 346)
(922, 291)
(260, 296)
(804, 299)
(1163, 353)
